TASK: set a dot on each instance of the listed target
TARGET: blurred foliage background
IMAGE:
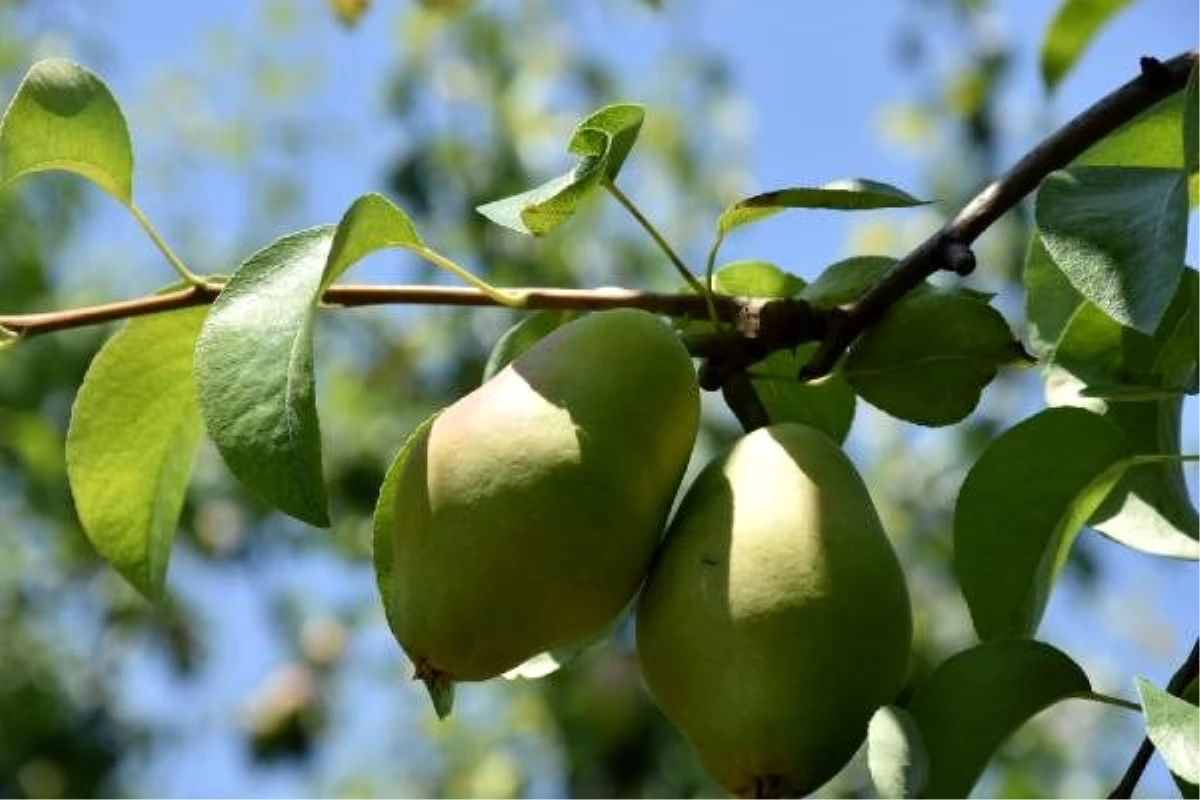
(271, 671)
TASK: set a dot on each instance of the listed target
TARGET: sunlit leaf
(1021, 507)
(522, 336)
(976, 699)
(929, 358)
(254, 373)
(371, 223)
(896, 754)
(602, 142)
(753, 278)
(64, 118)
(1119, 235)
(1073, 28)
(131, 442)
(854, 194)
(1153, 138)
(1173, 724)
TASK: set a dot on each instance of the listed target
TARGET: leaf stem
(670, 253)
(1161, 458)
(509, 298)
(1111, 701)
(175, 261)
(1137, 765)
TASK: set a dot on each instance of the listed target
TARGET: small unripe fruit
(775, 619)
(525, 516)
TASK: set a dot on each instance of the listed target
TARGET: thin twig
(743, 400)
(676, 305)
(1137, 765)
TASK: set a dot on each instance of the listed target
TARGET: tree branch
(1133, 773)
(949, 247)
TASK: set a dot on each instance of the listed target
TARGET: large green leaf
(64, 118)
(1137, 382)
(1119, 235)
(847, 280)
(896, 754)
(1021, 507)
(602, 142)
(1153, 138)
(852, 194)
(929, 357)
(132, 439)
(1173, 724)
(1050, 299)
(826, 404)
(254, 374)
(976, 699)
(1074, 26)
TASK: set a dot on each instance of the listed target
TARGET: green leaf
(853, 194)
(602, 142)
(976, 699)
(383, 529)
(1071, 31)
(929, 357)
(896, 754)
(1150, 509)
(522, 336)
(826, 404)
(1119, 235)
(64, 118)
(131, 442)
(1050, 299)
(1191, 124)
(1173, 724)
(254, 373)
(371, 223)
(1153, 138)
(846, 280)
(1021, 507)
(751, 278)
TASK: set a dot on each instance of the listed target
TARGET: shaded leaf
(64, 118)
(1173, 724)
(976, 699)
(522, 336)
(929, 357)
(853, 194)
(1191, 123)
(254, 373)
(131, 442)
(1119, 235)
(1050, 299)
(1073, 28)
(896, 754)
(826, 404)
(846, 280)
(751, 278)
(602, 142)
(1021, 507)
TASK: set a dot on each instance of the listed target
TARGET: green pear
(775, 619)
(524, 517)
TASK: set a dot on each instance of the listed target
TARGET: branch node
(957, 255)
(1154, 71)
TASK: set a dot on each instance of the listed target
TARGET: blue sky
(814, 84)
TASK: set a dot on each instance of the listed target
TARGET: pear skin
(775, 619)
(525, 515)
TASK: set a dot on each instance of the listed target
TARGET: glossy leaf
(1119, 235)
(254, 374)
(896, 754)
(64, 118)
(854, 194)
(826, 404)
(1150, 508)
(1073, 28)
(131, 442)
(383, 529)
(1173, 724)
(602, 142)
(1021, 507)
(976, 699)
(846, 280)
(522, 336)
(930, 356)
(756, 279)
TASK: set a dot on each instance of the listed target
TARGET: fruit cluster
(773, 617)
